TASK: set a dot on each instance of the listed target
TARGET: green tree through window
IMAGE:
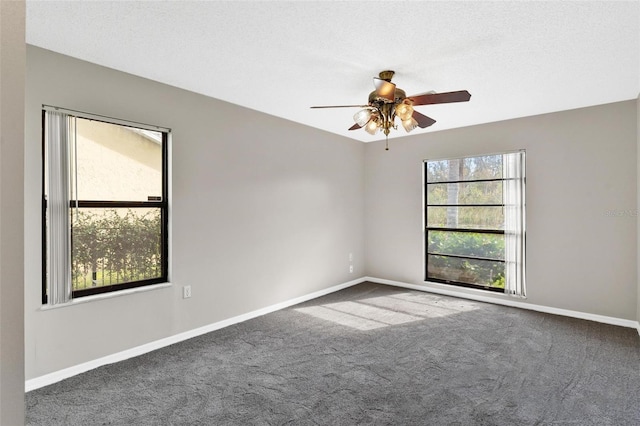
(465, 221)
(105, 198)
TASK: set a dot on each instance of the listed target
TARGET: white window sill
(109, 295)
(470, 290)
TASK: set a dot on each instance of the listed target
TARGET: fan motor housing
(400, 96)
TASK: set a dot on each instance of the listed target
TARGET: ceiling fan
(388, 102)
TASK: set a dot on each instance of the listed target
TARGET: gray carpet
(372, 355)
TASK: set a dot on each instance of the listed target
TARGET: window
(104, 205)
(474, 217)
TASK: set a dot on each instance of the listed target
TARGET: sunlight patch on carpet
(342, 318)
(427, 306)
(383, 311)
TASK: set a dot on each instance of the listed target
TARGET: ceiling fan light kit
(387, 102)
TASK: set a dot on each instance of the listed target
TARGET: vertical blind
(513, 167)
(58, 142)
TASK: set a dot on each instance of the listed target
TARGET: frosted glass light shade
(371, 127)
(404, 111)
(409, 124)
(362, 117)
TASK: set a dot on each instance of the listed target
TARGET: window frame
(428, 228)
(162, 205)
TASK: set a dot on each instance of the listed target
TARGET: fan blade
(385, 89)
(355, 127)
(340, 106)
(440, 98)
(423, 120)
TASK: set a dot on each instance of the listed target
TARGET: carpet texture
(373, 355)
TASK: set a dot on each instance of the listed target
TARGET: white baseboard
(65, 373)
(514, 303)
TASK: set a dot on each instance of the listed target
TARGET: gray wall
(581, 199)
(638, 206)
(12, 67)
(263, 211)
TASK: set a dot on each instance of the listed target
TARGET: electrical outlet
(350, 257)
(351, 269)
(186, 292)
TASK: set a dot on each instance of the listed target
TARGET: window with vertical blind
(105, 207)
(475, 222)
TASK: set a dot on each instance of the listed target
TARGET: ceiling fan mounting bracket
(386, 75)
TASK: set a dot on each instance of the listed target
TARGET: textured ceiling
(516, 58)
